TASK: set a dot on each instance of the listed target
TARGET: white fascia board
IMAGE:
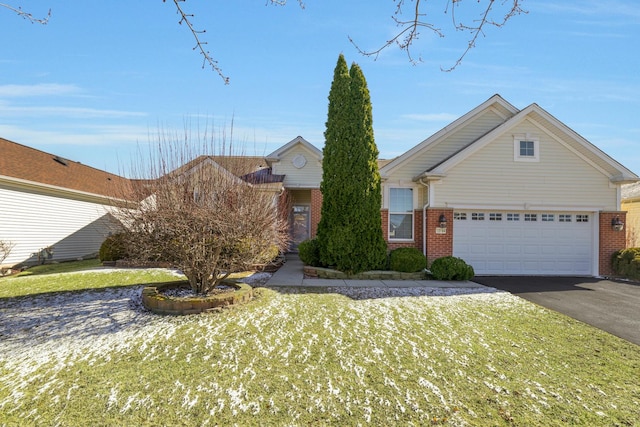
(452, 127)
(55, 190)
(625, 175)
(277, 154)
(480, 143)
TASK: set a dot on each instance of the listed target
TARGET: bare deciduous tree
(198, 215)
(5, 250)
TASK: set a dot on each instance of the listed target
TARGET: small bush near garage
(113, 248)
(309, 252)
(451, 268)
(626, 263)
(407, 260)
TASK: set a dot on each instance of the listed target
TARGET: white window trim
(414, 194)
(516, 149)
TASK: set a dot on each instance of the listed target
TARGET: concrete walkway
(292, 274)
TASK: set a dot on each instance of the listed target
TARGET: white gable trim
(624, 175)
(488, 105)
(19, 184)
(277, 155)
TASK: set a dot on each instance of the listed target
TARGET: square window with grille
(527, 149)
(530, 217)
(582, 218)
(461, 216)
(548, 217)
(495, 217)
(477, 216)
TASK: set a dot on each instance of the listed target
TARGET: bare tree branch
(28, 16)
(200, 45)
(410, 28)
(477, 29)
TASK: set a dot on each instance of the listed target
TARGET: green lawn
(290, 357)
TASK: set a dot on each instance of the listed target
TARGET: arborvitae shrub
(451, 268)
(113, 248)
(408, 260)
(350, 229)
(309, 252)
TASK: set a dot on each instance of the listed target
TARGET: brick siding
(610, 240)
(439, 245)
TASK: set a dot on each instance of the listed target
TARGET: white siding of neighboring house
(33, 221)
(308, 176)
(559, 179)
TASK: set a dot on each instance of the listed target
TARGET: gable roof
(277, 155)
(557, 130)
(22, 164)
(496, 104)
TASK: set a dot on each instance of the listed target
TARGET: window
(525, 149)
(495, 217)
(401, 213)
(548, 217)
(462, 216)
(582, 218)
(564, 218)
(477, 216)
(531, 217)
(513, 217)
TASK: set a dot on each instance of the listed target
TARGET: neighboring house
(513, 192)
(52, 208)
(631, 204)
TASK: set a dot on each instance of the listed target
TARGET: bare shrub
(5, 250)
(197, 214)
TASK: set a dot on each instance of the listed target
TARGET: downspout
(424, 218)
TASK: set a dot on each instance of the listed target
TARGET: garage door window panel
(400, 214)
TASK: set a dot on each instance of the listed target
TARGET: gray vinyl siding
(33, 221)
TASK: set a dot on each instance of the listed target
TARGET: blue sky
(101, 78)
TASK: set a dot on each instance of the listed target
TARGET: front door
(299, 223)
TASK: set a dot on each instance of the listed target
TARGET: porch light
(443, 221)
(617, 224)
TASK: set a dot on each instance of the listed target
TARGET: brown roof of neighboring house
(26, 163)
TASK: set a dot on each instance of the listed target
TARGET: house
(512, 192)
(631, 205)
(56, 209)
(53, 208)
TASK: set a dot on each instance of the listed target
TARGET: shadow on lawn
(364, 293)
(78, 314)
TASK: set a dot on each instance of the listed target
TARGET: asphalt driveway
(613, 306)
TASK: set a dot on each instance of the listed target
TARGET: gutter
(424, 217)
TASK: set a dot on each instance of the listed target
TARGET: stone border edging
(153, 300)
(327, 273)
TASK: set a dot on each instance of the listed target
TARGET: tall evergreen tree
(350, 229)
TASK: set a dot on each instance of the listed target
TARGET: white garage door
(525, 243)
